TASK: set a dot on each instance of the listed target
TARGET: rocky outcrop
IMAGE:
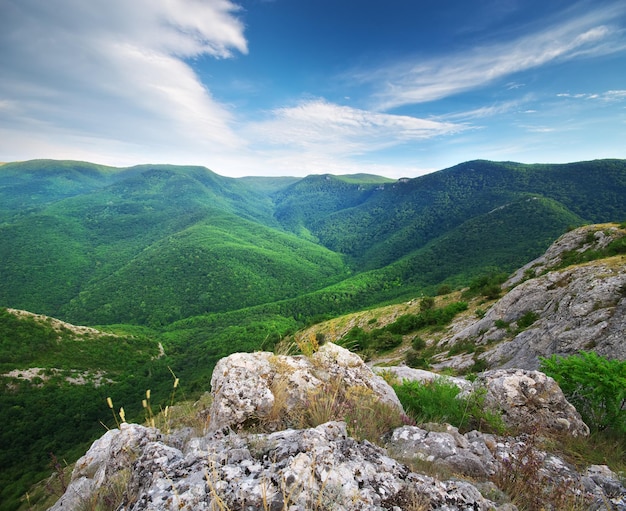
(561, 312)
(248, 387)
(230, 467)
(526, 400)
(319, 468)
(530, 401)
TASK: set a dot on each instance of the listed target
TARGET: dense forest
(206, 265)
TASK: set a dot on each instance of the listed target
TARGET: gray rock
(530, 401)
(577, 308)
(467, 454)
(606, 484)
(107, 456)
(319, 468)
(246, 385)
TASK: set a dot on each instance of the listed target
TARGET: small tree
(596, 386)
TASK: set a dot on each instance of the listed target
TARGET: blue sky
(296, 87)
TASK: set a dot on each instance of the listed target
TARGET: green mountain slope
(222, 263)
(35, 183)
(159, 244)
(54, 381)
(379, 227)
(154, 244)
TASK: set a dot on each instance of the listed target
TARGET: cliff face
(556, 310)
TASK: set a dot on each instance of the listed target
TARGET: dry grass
(109, 496)
(530, 488)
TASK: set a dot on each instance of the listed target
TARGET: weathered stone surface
(245, 384)
(590, 237)
(577, 308)
(530, 400)
(319, 468)
(107, 456)
(467, 454)
(605, 485)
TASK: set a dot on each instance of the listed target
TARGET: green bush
(596, 386)
(418, 343)
(383, 340)
(527, 319)
(439, 401)
(416, 360)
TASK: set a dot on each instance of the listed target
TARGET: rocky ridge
(578, 307)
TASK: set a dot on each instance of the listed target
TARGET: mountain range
(180, 267)
(155, 244)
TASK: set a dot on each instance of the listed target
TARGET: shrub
(527, 319)
(416, 360)
(489, 286)
(596, 386)
(439, 401)
(418, 343)
(427, 303)
(383, 340)
(444, 289)
(500, 323)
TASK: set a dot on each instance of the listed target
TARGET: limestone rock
(606, 485)
(318, 468)
(468, 454)
(589, 237)
(107, 456)
(530, 400)
(246, 386)
(577, 308)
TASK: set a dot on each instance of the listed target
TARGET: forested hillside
(156, 244)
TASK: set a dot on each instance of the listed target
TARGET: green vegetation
(595, 385)
(380, 340)
(439, 401)
(58, 409)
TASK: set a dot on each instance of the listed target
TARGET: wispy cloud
(607, 96)
(592, 33)
(495, 109)
(342, 130)
(116, 71)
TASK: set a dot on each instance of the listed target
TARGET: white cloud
(317, 125)
(607, 96)
(592, 33)
(114, 70)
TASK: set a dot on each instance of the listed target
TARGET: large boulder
(248, 387)
(471, 454)
(109, 458)
(530, 401)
